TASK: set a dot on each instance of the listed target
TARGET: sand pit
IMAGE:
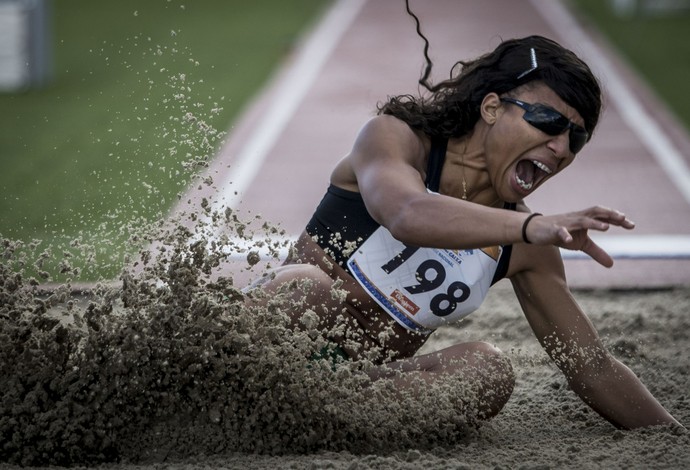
(171, 368)
(544, 424)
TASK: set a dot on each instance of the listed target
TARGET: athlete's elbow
(404, 226)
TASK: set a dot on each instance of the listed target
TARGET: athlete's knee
(498, 378)
(487, 368)
(496, 361)
(489, 350)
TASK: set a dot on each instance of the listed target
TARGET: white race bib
(423, 288)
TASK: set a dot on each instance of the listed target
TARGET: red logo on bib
(406, 303)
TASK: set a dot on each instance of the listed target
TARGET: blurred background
(107, 109)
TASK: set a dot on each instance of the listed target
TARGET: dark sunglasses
(551, 122)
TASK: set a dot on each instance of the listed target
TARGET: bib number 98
(430, 275)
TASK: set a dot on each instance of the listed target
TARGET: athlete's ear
(489, 108)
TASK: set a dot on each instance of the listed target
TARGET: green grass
(102, 147)
(657, 46)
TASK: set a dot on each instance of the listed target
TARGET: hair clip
(533, 60)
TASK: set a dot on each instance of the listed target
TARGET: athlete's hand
(571, 231)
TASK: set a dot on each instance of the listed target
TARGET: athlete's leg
(311, 300)
(298, 288)
(479, 364)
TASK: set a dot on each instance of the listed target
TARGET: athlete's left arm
(572, 342)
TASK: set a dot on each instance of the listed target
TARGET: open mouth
(530, 172)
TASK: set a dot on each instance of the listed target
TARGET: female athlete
(426, 212)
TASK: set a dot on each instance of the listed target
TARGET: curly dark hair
(452, 107)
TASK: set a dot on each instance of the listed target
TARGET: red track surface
(379, 54)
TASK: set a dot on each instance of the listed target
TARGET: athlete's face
(521, 157)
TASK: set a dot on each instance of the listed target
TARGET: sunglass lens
(547, 120)
(578, 139)
(552, 122)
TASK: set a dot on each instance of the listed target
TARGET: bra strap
(437, 155)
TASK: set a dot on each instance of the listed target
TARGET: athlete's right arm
(388, 163)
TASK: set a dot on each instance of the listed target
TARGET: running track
(279, 154)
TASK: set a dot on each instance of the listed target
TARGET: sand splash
(172, 362)
(172, 366)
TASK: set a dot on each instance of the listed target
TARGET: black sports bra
(341, 222)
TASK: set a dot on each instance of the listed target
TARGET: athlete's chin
(513, 192)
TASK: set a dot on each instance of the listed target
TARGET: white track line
(650, 247)
(292, 88)
(632, 112)
(639, 247)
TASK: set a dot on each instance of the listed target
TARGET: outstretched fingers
(570, 231)
(597, 253)
(600, 219)
(609, 216)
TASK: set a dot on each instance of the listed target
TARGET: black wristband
(524, 226)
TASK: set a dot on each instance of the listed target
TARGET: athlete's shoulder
(386, 134)
(386, 126)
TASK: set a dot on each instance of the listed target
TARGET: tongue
(525, 171)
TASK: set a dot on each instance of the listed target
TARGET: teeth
(523, 185)
(542, 167)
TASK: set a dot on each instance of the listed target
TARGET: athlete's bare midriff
(377, 326)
